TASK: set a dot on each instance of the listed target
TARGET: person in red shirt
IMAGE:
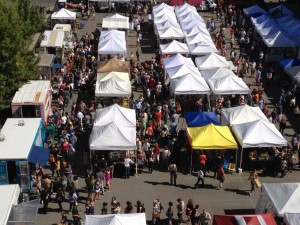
(220, 177)
(149, 132)
(158, 117)
(203, 159)
(152, 82)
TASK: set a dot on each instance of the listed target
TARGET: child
(104, 208)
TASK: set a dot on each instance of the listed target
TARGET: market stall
(116, 21)
(174, 47)
(114, 130)
(291, 218)
(113, 64)
(198, 119)
(112, 42)
(211, 61)
(279, 198)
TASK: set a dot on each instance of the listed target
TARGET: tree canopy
(19, 22)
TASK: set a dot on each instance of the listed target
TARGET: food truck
(33, 100)
(21, 149)
(53, 43)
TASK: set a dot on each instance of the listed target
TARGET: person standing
(205, 217)
(189, 210)
(165, 157)
(252, 177)
(173, 173)
(127, 162)
(170, 213)
(282, 125)
(200, 178)
(72, 200)
(203, 159)
(220, 177)
(108, 178)
(180, 210)
(156, 212)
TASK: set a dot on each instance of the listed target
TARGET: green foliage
(19, 21)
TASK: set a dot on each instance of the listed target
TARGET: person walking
(252, 178)
(220, 177)
(72, 200)
(173, 173)
(200, 178)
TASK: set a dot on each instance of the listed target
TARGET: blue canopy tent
(279, 11)
(198, 119)
(254, 11)
(287, 63)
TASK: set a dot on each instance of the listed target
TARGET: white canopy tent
(112, 42)
(170, 33)
(63, 14)
(279, 198)
(116, 219)
(200, 37)
(166, 24)
(113, 84)
(191, 24)
(189, 17)
(165, 17)
(249, 135)
(162, 12)
(176, 61)
(189, 84)
(183, 8)
(117, 122)
(174, 47)
(159, 7)
(223, 81)
(291, 218)
(202, 48)
(195, 30)
(241, 114)
(116, 22)
(181, 70)
(210, 61)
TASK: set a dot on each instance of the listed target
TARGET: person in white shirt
(127, 162)
(200, 178)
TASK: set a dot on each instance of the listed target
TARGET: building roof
(18, 139)
(35, 91)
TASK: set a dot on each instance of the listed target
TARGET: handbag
(257, 183)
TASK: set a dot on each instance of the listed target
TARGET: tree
(19, 21)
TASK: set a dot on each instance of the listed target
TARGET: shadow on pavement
(237, 191)
(239, 211)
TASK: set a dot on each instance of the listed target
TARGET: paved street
(232, 198)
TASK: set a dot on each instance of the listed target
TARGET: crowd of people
(159, 137)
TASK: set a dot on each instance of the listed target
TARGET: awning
(56, 66)
(24, 213)
(39, 155)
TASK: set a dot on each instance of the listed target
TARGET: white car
(207, 6)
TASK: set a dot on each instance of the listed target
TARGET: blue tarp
(56, 66)
(198, 119)
(287, 63)
(254, 10)
(39, 155)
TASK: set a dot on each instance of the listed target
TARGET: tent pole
(136, 162)
(191, 161)
(236, 155)
(241, 158)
